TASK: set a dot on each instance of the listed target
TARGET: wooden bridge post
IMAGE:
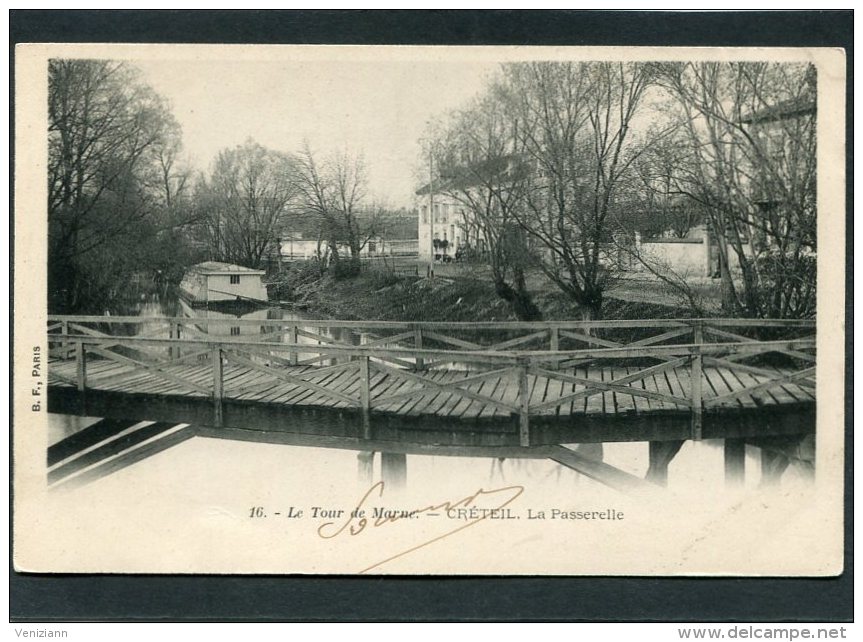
(174, 333)
(81, 365)
(735, 462)
(365, 396)
(554, 346)
(366, 467)
(660, 455)
(295, 356)
(81, 375)
(524, 405)
(218, 380)
(418, 344)
(695, 377)
(773, 464)
(394, 470)
(64, 329)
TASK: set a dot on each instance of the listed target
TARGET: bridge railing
(343, 368)
(451, 336)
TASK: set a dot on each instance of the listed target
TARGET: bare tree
(651, 201)
(248, 194)
(751, 163)
(574, 126)
(335, 194)
(480, 170)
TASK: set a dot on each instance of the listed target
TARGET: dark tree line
(116, 191)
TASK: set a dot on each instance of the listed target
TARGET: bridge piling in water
(696, 377)
(734, 455)
(660, 455)
(218, 386)
(394, 470)
(366, 467)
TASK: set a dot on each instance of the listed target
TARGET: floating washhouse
(215, 282)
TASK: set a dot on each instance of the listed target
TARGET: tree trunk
(518, 297)
(591, 304)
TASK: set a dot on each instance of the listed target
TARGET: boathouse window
(235, 331)
(235, 279)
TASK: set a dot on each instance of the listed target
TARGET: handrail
(496, 356)
(517, 361)
(459, 325)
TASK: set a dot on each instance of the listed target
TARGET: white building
(295, 247)
(448, 222)
(213, 282)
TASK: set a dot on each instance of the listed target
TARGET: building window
(437, 213)
(445, 213)
(425, 214)
(235, 331)
(452, 231)
(235, 279)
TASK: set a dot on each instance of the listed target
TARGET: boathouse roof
(217, 267)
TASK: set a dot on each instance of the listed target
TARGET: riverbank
(378, 295)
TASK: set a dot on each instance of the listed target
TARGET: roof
(216, 267)
(462, 177)
(794, 108)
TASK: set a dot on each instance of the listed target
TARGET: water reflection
(698, 466)
(170, 305)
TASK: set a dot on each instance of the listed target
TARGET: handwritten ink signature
(354, 524)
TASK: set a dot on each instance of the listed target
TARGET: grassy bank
(377, 295)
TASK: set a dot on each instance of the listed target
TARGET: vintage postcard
(429, 310)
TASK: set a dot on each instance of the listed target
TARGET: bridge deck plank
(575, 406)
(462, 406)
(470, 408)
(652, 404)
(640, 403)
(248, 384)
(783, 392)
(608, 407)
(673, 387)
(436, 405)
(415, 404)
(762, 397)
(452, 403)
(125, 377)
(732, 384)
(653, 385)
(104, 370)
(715, 388)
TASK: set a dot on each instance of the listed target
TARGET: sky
(377, 107)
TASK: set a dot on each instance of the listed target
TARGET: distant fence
(686, 256)
(305, 249)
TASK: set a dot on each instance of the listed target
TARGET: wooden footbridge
(471, 389)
